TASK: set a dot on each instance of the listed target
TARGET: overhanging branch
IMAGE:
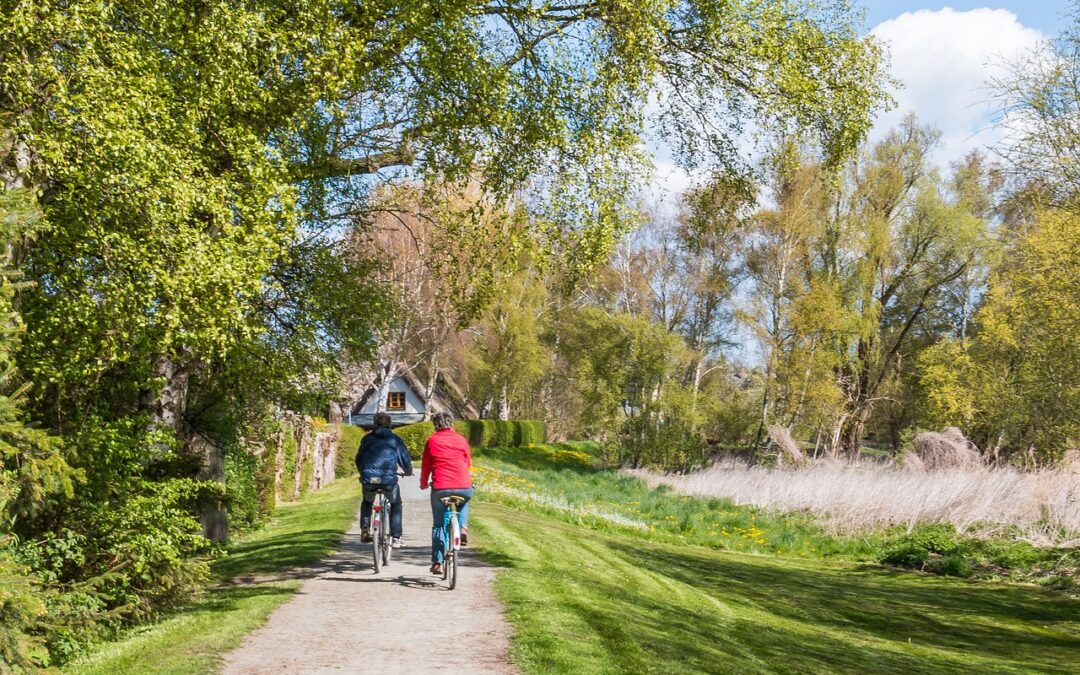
(338, 167)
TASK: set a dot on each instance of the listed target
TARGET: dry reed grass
(946, 449)
(1043, 506)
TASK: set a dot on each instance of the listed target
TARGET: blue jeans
(393, 498)
(438, 514)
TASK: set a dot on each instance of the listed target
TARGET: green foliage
(289, 449)
(507, 359)
(480, 433)
(348, 444)
(307, 471)
(416, 435)
(22, 610)
(623, 372)
(940, 549)
(243, 474)
(530, 432)
(194, 639)
(1019, 375)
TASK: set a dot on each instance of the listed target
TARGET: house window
(395, 400)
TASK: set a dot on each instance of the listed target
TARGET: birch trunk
(504, 403)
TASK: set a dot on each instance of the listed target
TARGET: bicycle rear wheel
(377, 527)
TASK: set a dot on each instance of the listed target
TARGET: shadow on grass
(276, 553)
(841, 618)
(228, 599)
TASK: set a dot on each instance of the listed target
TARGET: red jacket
(446, 460)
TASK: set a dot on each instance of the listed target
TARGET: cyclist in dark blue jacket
(381, 453)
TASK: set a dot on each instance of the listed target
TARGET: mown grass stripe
(589, 601)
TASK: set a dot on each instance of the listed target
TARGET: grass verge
(589, 601)
(193, 640)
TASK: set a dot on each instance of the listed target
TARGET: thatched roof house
(402, 394)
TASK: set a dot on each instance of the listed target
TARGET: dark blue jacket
(380, 454)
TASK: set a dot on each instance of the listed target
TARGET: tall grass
(1042, 507)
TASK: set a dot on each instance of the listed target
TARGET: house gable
(418, 405)
(373, 402)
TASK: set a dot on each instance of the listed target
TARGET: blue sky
(1044, 15)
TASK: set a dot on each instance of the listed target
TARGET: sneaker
(396, 542)
(365, 537)
(464, 536)
(436, 568)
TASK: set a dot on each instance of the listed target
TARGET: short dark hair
(382, 419)
(442, 420)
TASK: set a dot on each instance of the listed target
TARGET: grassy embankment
(193, 640)
(609, 577)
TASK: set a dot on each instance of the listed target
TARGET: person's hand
(409, 475)
(423, 487)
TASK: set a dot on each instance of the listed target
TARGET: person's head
(381, 419)
(442, 420)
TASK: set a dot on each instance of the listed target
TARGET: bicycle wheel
(376, 532)
(386, 535)
(451, 568)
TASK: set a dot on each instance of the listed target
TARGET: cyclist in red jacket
(445, 467)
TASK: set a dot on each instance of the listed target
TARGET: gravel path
(346, 618)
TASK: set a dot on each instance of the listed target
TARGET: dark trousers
(438, 513)
(393, 495)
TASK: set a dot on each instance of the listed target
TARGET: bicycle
(380, 529)
(451, 538)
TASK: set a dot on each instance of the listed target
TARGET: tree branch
(337, 167)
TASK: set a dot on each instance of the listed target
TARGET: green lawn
(193, 640)
(608, 576)
(588, 601)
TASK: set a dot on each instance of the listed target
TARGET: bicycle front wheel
(451, 569)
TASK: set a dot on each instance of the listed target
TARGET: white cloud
(944, 60)
(669, 182)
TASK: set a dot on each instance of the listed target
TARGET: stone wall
(305, 456)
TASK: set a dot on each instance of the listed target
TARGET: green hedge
(348, 444)
(481, 433)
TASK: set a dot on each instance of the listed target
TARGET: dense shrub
(415, 436)
(481, 433)
(242, 474)
(22, 608)
(532, 432)
(939, 549)
(348, 443)
(289, 446)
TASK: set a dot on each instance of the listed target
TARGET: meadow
(605, 574)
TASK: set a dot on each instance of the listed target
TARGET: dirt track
(346, 618)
